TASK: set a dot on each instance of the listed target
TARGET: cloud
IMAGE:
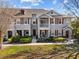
(54, 1)
(65, 1)
(28, 7)
(35, 4)
(32, 1)
(14, 6)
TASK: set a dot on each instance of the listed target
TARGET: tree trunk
(1, 41)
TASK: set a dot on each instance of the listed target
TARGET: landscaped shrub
(26, 40)
(56, 39)
(14, 39)
(20, 39)
(25, 36)
(10, 39)
(50, 39)
(59, 39)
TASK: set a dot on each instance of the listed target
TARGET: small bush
(56, 39)
(14, 39)
(26, 40)
(10, 39)
(59, 39)
(18, 39)
(25, 36)
(50, 39)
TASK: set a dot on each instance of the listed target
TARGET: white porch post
(70, 34)
(13, 32)
(54, 20)
(22, 32)
(30, 27)
(30, 32)
(7, 34)
(38, 28)
(61, 20)
(49, 28)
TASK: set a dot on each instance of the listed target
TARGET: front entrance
(9, 34)
(67, 34)
(34, 32)
(43, 33)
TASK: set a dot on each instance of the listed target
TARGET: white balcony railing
(44, 25)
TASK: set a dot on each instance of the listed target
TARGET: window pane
(56, 32)
(19, 32)
(57, 21)
(62, 20)
(26, 22)
(33, 15)
(21, 20)
(26, 32)
(51, 20)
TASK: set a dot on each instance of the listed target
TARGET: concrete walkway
(34, 40)
(30, 44)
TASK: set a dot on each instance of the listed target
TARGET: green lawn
(28, 52)
(16, 49)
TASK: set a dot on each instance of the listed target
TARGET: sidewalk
(30, 44)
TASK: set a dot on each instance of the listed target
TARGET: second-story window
(57, 21)
(62, 20)
(51, 20)
(27, 21)
(21, 20)
(33, 15)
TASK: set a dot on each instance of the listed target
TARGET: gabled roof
(67, 27)
(54, 12)
(29, 12)
(44, 15)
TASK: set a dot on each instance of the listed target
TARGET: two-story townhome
(40, 23)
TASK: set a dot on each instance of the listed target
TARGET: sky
(56, 5)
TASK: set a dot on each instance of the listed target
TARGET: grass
(16, 49)
(38, 52)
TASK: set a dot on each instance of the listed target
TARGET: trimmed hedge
(26, 40)
(10, 39)
(18, 39)
(56, 39)
(59, 39)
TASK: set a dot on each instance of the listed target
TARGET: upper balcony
(44, 25)
(44, 22)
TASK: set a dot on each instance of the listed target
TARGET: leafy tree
(75, 26)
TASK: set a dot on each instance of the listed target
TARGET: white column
(54, 20)
(70, 34)
(30, 27)
(38, 28)
(49, 28)
(30, 32)
(22, 32)
(13, 32)
(61, 20)
(7, 34)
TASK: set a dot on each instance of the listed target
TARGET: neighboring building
(39, 22)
